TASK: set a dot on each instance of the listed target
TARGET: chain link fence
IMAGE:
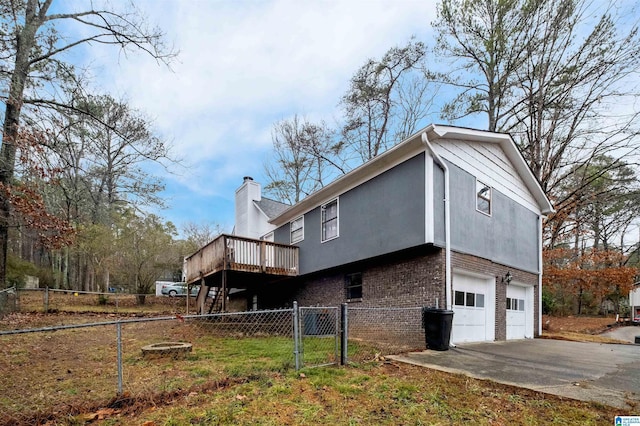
(56, 371)
(51, 370)
(122, 304)
(383, 331)
(319, 336)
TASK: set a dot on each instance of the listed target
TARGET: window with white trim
(483, 198)
(329, 218)
(297, 230)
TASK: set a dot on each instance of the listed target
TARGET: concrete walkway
(606, 373)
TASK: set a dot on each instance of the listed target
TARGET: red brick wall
(416, 281)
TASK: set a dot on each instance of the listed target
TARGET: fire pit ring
(167, 349)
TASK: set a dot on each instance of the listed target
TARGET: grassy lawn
(69, 377)
(367, 394)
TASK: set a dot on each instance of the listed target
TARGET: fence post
(119, 356)
(296, 336)
(46, 299)
(344, 322)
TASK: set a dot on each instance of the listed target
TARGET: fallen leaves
(101, 414)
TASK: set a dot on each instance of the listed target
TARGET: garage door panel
(474, 309)
(518, 312)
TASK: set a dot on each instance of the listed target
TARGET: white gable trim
(489, 165)
(538, 201)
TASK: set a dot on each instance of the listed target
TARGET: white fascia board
(400, 153)
(511, 151)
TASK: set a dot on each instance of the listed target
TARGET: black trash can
(437, 328)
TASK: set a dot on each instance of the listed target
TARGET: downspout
(447, 221)
(540, 271)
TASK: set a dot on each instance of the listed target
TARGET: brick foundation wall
(396, 283)
(416, 281)
(404, 280)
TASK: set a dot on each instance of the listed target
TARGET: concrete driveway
(627, 334)
(606, 373)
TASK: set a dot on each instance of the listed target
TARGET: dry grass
(374, 393)
(578, 328)
(119, 304)
(69, 378)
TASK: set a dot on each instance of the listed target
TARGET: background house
(634, 301)
(451, 217)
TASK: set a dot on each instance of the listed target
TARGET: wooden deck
(231, 253)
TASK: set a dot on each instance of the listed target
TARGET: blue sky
(244, 65)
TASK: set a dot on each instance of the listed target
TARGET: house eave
(403, 151)
(510, 149)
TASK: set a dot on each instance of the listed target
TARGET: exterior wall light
(507, 278)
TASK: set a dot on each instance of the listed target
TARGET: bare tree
(200, 234)
(371, 103)
(556, 74)
(304, 153)
(32, 52)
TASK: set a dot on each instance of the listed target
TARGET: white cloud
(244, 65)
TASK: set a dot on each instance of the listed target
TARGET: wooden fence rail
(228, 252)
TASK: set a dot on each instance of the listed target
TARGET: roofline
(364, 172)
(512, 151)
(255, 203)
(406, 149)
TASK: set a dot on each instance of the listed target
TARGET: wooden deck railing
(228, 252)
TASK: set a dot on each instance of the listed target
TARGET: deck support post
(224, 290)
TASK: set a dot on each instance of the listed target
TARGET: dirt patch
(578, 324)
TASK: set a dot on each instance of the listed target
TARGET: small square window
(459, 298)
(297, 230)
(521, 305)
(483, 198)
(480, 300)
(470, 299)
(508, 303)
(353, 286)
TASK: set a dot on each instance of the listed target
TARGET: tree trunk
(25, 42)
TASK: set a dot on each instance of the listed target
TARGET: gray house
(451, 217)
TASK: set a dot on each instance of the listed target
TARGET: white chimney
(248, 217)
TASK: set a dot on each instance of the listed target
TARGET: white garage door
(519, 312)
(474, 309)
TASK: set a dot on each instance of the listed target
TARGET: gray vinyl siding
(381, 216)
(508, 236)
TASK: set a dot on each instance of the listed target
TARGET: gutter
(447, 221)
